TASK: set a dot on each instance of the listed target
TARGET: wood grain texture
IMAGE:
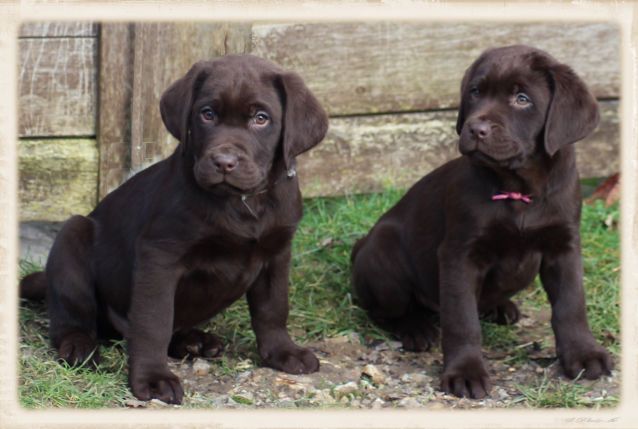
(57, 178)
(357, 68)
(164, 53)
(369, 153)
(58, 29)
(116, 93)
(57, 87)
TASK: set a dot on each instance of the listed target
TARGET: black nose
(225, 163)
(481, 129)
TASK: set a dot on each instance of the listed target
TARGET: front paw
(591, 360)
(293, 360)
(466, 377)
(162, 385)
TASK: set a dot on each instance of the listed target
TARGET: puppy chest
(231, 259)
(506, 243)
(228, 263)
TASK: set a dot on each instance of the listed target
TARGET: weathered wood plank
(163, 53)
(116, 92)
(367, 153)
(373, 67)
(58, 29)
(57, 178)
(599, 154)
(57, 87)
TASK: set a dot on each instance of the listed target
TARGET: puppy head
(517, 101)
(236, 115)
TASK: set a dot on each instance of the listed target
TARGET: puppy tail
(34, 286)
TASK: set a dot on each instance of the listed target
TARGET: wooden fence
(89, 97)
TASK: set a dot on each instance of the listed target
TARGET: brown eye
(207, 114)
(523, 99)
(474, 92)
(261, 118)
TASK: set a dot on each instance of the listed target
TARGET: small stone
(511, 369)
(374, 373)
(421, 377)
(380, 346)
(323, 397)
(373, 356)
(395, 345)
(158, 403)
(341, 339)
(345, 389)
(134, 403)
(392, 382)
(201, 367)
(409, 403)
(377, 403)
(344, 400)
(287, 403)
(284, 381)
(502, 393)
(393, 396)
(243, 375)
(435, 406)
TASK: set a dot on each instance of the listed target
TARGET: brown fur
(175, 244)
(447, 251)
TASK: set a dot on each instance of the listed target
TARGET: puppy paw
(467, 377)
(194, 343)
(420, 340)
(295, 360)
(163, 385)
(506, 313)
(77, 348)
(592, 361)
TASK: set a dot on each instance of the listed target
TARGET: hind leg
(505, 313)
(71, 293)
(384, 286)
(417, 330)
(194, 343)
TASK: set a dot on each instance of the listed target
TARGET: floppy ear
(305, 121)
(177, 100)
(460, 119)
(573, 111)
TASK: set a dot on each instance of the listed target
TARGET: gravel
(373, 376)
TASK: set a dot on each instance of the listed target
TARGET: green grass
(46, 383)
(322, 306)
(558, 393)
(600, 243)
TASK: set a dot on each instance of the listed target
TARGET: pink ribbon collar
(517, 196)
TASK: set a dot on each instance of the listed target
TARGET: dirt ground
(380, 375)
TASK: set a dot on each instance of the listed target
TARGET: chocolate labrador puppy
(185, 238)
(472, 233)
